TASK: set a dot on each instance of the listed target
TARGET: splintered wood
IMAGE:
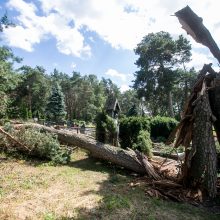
(167, 168)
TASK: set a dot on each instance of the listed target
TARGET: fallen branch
(148, 166)
(166, 184)
(19, 144)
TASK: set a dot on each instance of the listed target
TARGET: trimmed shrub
(130, 128)
(161, 127)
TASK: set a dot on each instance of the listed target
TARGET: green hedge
(136, 132)
(161, 127)
(130, 128)
(105, 128)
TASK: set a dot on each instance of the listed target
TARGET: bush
(105, 128)
(130, 128)
(161, 127)
(4, 142)
(44, 145)
(144, 143)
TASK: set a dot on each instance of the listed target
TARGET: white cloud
(124, 88)
(115, 74)
(121, 23)
(199, 59)
(22, 37)
(32, 29)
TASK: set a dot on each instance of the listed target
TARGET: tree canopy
(159, 61)
(24, 92)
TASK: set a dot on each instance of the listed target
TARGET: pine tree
(55, 109)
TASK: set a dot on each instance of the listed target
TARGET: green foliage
(105, 128)
(30, 114)
(159, 57)
(8, 127)
(127, 99)
(44, 145)
(114, 202)
(130, 128)
(32, 92)
(84, 95)
(24, 92)
(132, 111)
(8, 79)
(4, 142)
(217, 147)
(49, 216)
(3, 104)
(182, 89)
(5, 22)
(136, 132)
(161, 127)
(56, 107)
(144, 143)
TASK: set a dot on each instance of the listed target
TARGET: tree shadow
(121, 195)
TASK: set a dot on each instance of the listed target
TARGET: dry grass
(85, 189)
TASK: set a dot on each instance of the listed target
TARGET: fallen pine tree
(161, 172)
(133, 160)
(202, 112)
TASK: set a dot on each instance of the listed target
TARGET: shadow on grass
(121, 201)
(118, 199)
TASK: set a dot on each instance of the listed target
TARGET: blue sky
(97, 36)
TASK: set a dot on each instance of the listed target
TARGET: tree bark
(194, 27)
(170, 102)
(202, 157)
(214, 95)
(126, 158)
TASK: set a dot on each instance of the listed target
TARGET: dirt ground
(84, 189)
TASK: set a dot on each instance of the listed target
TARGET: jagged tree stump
(203, 153)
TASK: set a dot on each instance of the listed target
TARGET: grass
(84, 189)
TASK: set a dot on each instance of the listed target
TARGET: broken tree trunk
(125, 158)
(202, 157)
(201, 160)
(200, 166)
(193, 25)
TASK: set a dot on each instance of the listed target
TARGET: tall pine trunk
(170, 103)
